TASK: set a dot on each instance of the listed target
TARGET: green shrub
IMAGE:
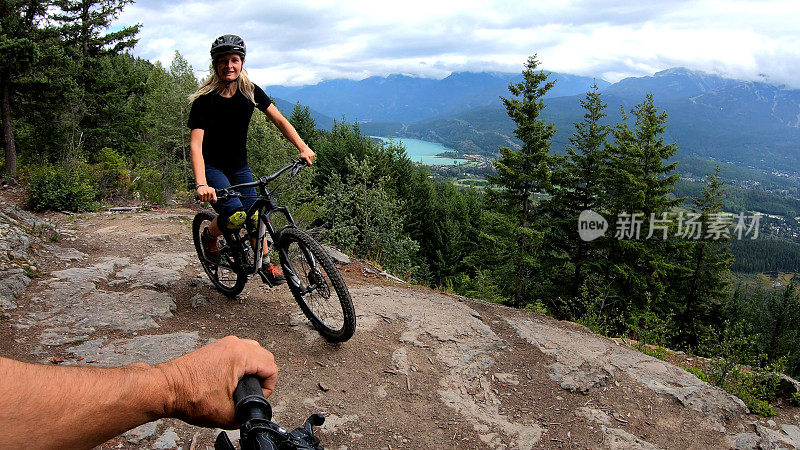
(58, 188)
(653, 328)
(589, 307)
(538, 308)
(111, 173)
(479, 286)
(155, 185)
(756, 387)
(367, 220)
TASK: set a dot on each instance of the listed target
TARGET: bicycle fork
(288, 270)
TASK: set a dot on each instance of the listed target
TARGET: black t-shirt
(225, 122)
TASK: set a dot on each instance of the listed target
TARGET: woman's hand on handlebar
(307, 155)
(202, 382)
(207, 193)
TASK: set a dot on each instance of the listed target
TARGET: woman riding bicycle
(219, 119)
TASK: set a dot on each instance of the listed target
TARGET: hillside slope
(424, 370)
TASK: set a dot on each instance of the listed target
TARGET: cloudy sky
(306, 41)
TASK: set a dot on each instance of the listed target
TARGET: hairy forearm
(80, 407)
(76, 407)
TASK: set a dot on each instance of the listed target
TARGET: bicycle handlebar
(295, 165)
(249, 400)
(230, 192)
(258, 432)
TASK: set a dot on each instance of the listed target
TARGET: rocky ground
(424, 369)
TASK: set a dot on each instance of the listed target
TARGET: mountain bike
(310, 273)
(258, 431)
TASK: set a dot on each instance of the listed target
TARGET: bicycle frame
(266, 207)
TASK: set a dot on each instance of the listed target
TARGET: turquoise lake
(425, 152)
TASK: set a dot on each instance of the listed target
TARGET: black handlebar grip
(249, 385)
(249, 400)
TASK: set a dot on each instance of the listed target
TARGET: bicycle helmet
(228, 43)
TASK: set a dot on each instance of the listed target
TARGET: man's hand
(207, 194)
(202, 382)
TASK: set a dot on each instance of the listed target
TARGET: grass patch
(653, 350)
(698, 372)
(755, 387)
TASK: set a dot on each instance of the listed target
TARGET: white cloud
(310, 40)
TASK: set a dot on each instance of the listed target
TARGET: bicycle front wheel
(220, 270)
(317, 285)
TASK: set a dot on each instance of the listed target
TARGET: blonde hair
(214, 83)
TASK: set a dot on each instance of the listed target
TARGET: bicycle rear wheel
(224, 274)
(317, 285)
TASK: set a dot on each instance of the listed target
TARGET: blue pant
(223, 178)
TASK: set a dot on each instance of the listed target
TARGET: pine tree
(167, 110)
(578, 186)
(643, 179)
(343, 140)
(116, 113)
(107, 80)
(704, 273)
(522, 174)
(780, 335)
(84, 24)
(525, 172)
(304, 124)
(442, 219)
(639, 182)
(185, 83)
(588, 155)
(20, 48)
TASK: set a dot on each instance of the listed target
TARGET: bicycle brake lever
(223, 442)
(299, 164)
(313, 420)
(305, 434)
(224, 194)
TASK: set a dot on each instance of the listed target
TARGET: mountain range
(750, 123)
(405, 99)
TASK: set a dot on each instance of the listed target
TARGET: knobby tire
(225, 277)
(329, 310)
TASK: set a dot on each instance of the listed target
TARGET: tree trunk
(8, 129)
(84, 36)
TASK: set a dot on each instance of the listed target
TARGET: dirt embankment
(424, 369)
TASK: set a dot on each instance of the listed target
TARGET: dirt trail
(424, 370)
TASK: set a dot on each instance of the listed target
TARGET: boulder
(337, 256)
(12, 283)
